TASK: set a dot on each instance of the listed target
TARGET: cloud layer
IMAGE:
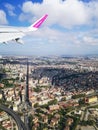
(66, 14)
(71, 25)
(74, 15)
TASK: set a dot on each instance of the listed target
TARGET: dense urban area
(49, 93)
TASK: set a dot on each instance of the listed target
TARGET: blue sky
(71, 27)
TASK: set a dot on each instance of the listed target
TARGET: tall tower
(27, 87)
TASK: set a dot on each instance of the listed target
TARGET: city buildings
(61, 93)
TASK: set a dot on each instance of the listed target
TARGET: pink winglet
(40, 21)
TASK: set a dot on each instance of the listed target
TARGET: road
(20, 124)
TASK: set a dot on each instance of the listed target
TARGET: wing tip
(40, 21)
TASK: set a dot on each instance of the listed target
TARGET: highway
(20, 124)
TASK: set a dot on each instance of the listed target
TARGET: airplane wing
(8, 36)
(16, 33)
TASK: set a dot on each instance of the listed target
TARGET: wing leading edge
(14, 33)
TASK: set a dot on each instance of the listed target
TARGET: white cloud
(3, 19)
(67, 14)
(53, 36)
(10, 9)
(90, 40)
